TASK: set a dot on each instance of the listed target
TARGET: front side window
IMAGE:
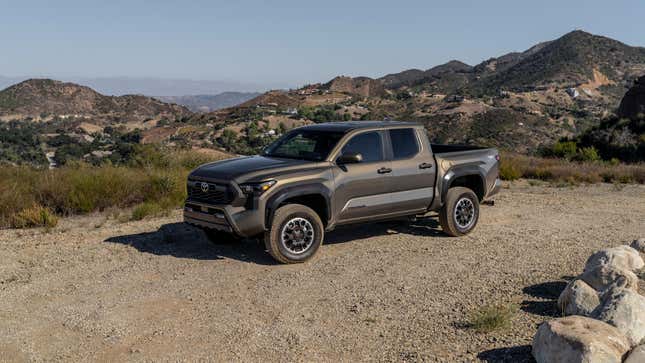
(304, 144)
(368, 144)
(404, 143)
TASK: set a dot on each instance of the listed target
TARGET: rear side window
(368, 144)
(404, 143)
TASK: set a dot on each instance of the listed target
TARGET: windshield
(311, 145)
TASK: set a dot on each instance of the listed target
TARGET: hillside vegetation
(153, 181)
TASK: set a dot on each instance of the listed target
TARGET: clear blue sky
(292, 42)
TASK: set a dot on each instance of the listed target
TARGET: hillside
(208, 103)
(621, 136)
(570, 61)
(36, 97)
(445, 78)
(520, 101)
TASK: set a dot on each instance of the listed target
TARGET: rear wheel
(219, 237)
(295, 235)
(460, 212)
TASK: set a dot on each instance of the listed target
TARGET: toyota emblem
(204, 187)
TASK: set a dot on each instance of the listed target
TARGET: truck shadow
(426, 227)
(184, 241)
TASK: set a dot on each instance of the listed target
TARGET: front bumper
(239, 221)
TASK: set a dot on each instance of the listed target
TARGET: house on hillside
(573, 92)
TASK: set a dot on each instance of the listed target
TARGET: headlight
(257, 188)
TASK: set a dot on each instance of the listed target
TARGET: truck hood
(245, 167)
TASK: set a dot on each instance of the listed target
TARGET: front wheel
(460, 212)
(295, 235)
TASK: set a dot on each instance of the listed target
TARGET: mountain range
(208, 103)
(519, 101)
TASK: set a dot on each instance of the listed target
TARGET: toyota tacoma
(318, 177)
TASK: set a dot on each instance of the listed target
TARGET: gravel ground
(157, 290)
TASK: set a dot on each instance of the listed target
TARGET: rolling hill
(39, 97)
(520, 101)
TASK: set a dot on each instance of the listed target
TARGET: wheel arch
(315, 196)
(469, 176)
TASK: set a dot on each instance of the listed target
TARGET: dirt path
(157, 290)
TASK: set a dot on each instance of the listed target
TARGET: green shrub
(79, 188)
(35, 216)
(492, 317)
(588, 154)
(565, 149)
(509, 170)
(144, 210)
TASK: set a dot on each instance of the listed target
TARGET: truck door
(413, 170)
(362, 188)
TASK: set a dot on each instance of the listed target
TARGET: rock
(624, 309)
(639, 245)
(637, 355)
(622, 256)
(578, 298)
(633, 104)
(578, 339)
(605, 276)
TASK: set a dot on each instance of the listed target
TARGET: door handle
(425, 166)
(384, 170)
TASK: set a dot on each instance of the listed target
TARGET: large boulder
(623, 257)
(575, 339)
(603, 277)
(578, 298)
(638, 245)
(625, 310)
(637, 355)
(633, 104)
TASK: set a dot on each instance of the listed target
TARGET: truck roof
(346, 126)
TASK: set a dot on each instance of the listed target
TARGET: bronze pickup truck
(317, 177)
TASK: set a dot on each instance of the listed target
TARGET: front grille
(214, 194)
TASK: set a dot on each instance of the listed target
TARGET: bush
(492, 317)
(509, 170)
(565, 149)
(80, 188)
(147, 209)
(35, 216)
(569, 172)
(587, 154)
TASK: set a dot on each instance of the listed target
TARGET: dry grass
(155, 180)
(492, 317)
(34, 216)
(515, 166)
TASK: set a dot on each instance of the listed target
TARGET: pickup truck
(317, 177)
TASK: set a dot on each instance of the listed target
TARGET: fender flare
(296, 191)
(460, 171)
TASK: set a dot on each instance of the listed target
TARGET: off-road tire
(219, 238)
(447, 213)
(274, 243)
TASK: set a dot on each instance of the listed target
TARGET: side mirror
(349, 158)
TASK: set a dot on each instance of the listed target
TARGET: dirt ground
(157, 290)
